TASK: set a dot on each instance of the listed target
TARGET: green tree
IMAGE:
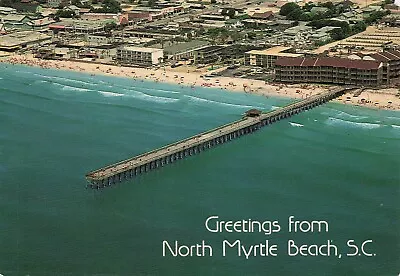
(108, 6)
(305, 17)
(328, 5)
(359, 27)
(252, 35)
(338, 34)
(64, 14)
(288, 8)
(151, 3)
(295, 14)
(6, 3)
(110, 26)
(375, 16)
(308, 6)
(77, 3)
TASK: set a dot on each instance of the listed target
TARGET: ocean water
(335, 163)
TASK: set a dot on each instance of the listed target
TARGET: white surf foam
(66, 79)
(161, 90)
(70, 88)
(25, 72)
(139, 95)
(344, 114)
(158, 99)
(110, 94)
(295, 124)
(336, 121)
(73, 88)
(395, 126)
(197, 99)
(137, 89)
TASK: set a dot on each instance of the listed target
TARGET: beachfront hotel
(329, 70)
(391, 64)
(139, 55)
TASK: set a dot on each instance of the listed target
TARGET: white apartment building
(140, 55)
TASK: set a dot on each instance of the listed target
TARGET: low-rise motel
(329, 70)
(139, 55)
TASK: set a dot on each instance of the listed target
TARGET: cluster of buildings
(255, 35)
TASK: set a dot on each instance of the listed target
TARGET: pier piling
(130, 168)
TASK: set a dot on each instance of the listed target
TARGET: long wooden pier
(130, 168)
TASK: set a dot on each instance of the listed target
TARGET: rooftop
(14, 17)
(175, 48)
(388, 55)
(80, 23)
(141, 49)
(328, 62)
(275, 51)
(18, 38)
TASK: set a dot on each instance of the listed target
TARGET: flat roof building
(140, 56)
(182, 50)
(79, 26)
(267, 58)
(25, 39)
(208, 54)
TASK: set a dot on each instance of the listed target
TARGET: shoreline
(386, 99)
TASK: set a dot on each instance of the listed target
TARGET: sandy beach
(382, 98)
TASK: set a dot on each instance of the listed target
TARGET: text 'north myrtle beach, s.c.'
(274, 245)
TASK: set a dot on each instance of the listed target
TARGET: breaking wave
(160, 90)
(66, 79)
(139, 95)
(158, 99)
(197, 99)
(110, 94)
(344, 114)
(336, 121)
(295, 124)
(67, 87)
(73, 88)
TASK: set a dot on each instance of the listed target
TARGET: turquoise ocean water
(335, 163)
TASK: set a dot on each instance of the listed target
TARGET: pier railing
(159, 157)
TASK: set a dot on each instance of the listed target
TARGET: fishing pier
(251, 122)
